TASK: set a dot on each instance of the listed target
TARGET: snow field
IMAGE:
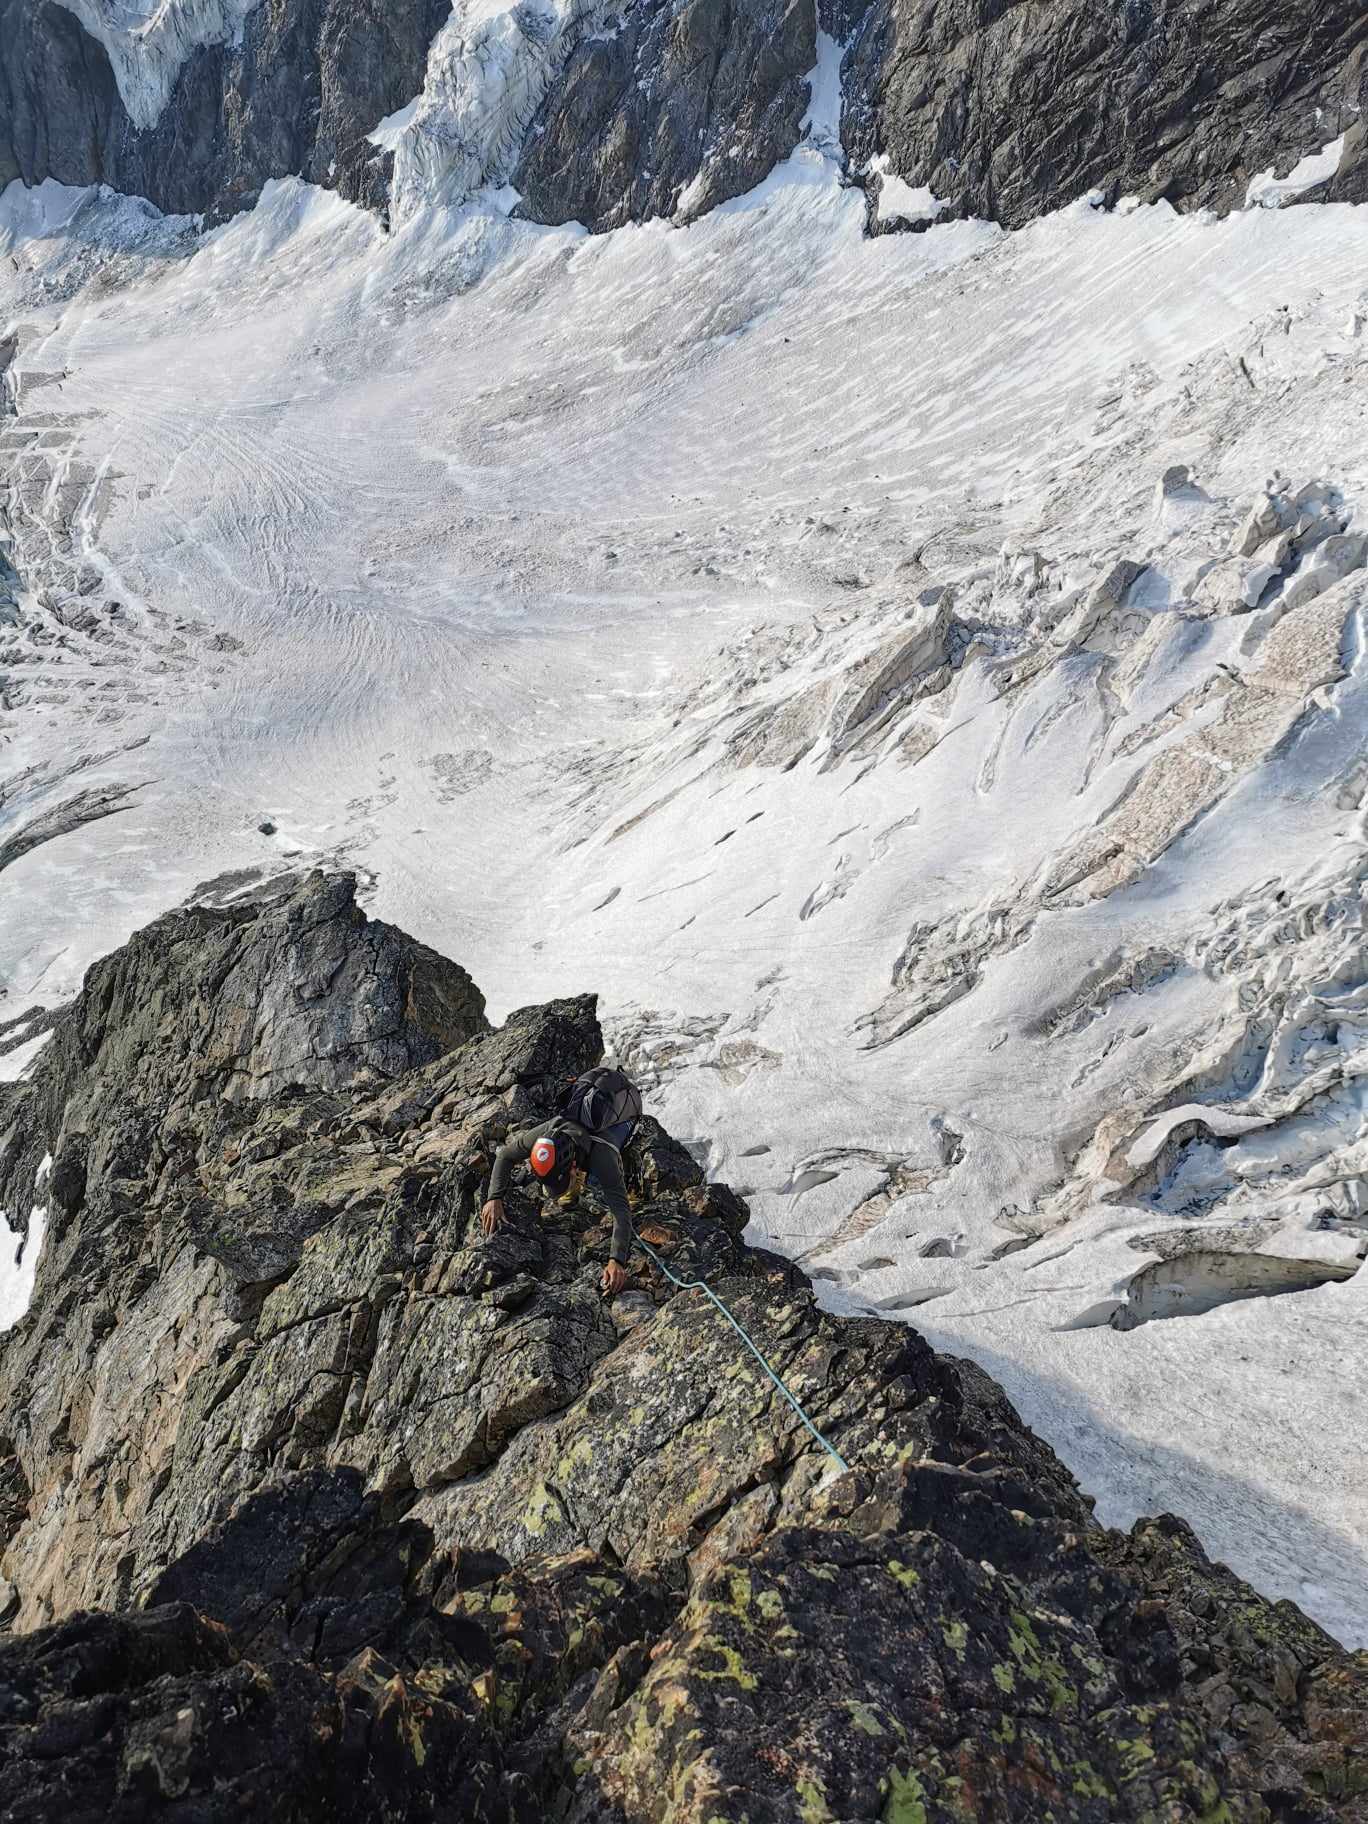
(512, 566)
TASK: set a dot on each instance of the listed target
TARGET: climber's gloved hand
(492, 1215)
(613, 1278)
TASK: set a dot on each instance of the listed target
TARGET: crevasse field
(875, 666)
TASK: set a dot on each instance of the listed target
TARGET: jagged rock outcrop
(247, 1002)
(317, 1503)
(1007, 111)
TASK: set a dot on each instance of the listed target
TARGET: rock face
(295, 95)
(1006, 111)
(671, 106)
(158, 1716)
(318, 1504)
(688, 104)
(248, 1002)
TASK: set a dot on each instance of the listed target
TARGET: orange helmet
(552, 1160)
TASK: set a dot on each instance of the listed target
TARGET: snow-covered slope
(876, 665)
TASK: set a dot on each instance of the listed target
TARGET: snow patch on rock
(899, 201)
(14, 1064)
(19, 1265)
(1267, 191)
(821, 125)
(388, 132)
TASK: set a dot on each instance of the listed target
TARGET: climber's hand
(492, 1215)
(613, 1278)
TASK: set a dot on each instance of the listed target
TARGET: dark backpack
(601, 1099)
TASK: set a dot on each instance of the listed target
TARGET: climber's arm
(605, 1162)
(515, 1148)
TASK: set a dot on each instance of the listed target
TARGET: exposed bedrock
(207, 1008)
(688, 103)
(1008, 110)
(294, 95)
(668, 107)
(315, 1503)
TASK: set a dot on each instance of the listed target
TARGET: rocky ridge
(316, 1503)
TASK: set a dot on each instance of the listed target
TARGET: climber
(583, 1142)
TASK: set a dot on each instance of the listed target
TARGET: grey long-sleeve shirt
(604, 1169)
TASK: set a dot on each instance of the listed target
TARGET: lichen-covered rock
(117, 1719)
(1263, 1672)
(878, 1674)
(474, 1543)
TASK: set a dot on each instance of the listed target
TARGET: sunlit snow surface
(463, 555)
(18, 1265)
(1267, 191)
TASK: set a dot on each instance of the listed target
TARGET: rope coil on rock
(701, 1285)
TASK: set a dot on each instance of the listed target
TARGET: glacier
(838, 650)
(488, 69)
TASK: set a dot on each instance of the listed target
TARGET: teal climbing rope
(701, 1285)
